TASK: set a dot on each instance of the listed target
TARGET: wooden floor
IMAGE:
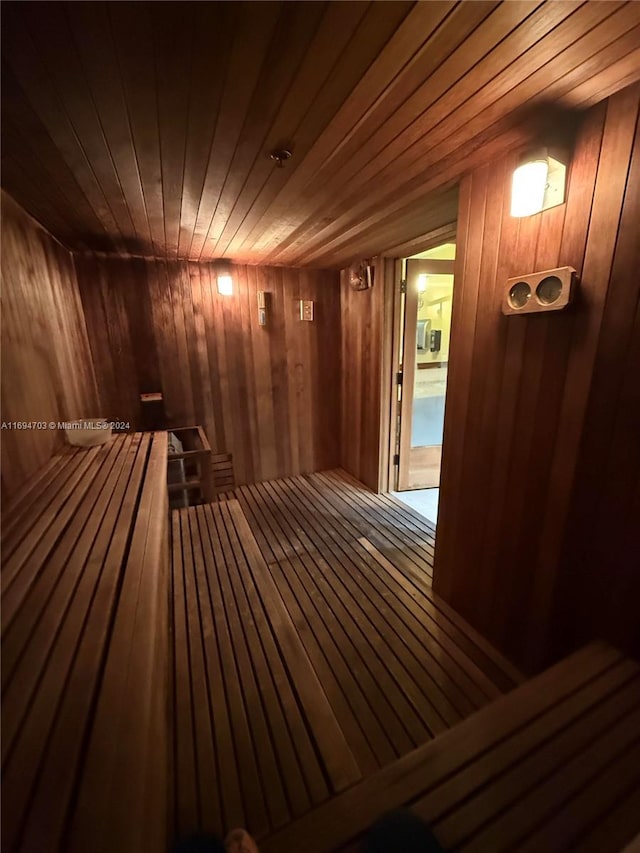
(309, 649)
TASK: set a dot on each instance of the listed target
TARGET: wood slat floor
(309, 649)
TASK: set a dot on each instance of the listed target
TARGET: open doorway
(425, 332)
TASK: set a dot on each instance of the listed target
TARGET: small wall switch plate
(306, 310)
(262, 317)
(262, 302)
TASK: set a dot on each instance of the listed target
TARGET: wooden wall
(362, 353)
(47, 373)
(538, 531)
(269, 395)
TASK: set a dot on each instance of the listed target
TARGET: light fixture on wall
(225, 284)
(538, 182)
(223, 277)
(362, 275)
(422, 288)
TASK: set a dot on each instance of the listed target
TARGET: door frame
(412, 460)
(391, 267)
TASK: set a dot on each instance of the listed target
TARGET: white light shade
(528, 188)
(225, 285)
(422, 282)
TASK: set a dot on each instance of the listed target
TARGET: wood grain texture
(85, 652)
(553, 763)
(269, 395)
(145, 128)
(542, 412)
(309, 650)
(47, 372)
(361, 379)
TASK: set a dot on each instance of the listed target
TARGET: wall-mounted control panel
(262, 308)
(306, 310)
(550, 290)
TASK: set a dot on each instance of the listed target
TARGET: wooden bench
(554, 766)
(85, 652)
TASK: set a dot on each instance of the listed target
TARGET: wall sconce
(225, 284)
(422, 287)
(538, 182)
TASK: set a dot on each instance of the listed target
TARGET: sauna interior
(222, 242)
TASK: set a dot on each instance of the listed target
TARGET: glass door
(425, 356)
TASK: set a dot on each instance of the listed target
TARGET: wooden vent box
(549, 290)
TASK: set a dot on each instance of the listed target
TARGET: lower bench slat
(435, 778)
(98, 542)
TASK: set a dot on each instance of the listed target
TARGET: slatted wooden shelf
(84, 652)
(553, 766)
(309, 651)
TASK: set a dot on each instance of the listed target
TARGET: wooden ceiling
(145, 128)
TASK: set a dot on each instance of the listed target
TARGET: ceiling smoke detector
(280, 156)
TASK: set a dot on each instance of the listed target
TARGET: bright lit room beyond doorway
(425, 320)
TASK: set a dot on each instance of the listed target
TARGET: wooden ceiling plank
(618, 86)
(173, 37)
(21, 131)
(547, 82)
(211, 54)
(27, 182)
(437, 237)
(23, 58)
(416, 221)
(440, 42)
(53, 39)
(619, 75)
(331, 65)
(91, 33)
(392, 50)
(296, 29)
(506, 84)
(461, 45)
(427, 217)
(387, 139)
(255, 29)
(471, 155)
(161, 149)
(448, 88)
(131, 35)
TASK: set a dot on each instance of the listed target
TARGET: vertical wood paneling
(361, 381)
(270, 396)
(47, 374)
(603, 565)
(536, 404)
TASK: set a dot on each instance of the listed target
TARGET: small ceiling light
(280, 156)
(225, 284)
(538, 183)
(422, 283)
